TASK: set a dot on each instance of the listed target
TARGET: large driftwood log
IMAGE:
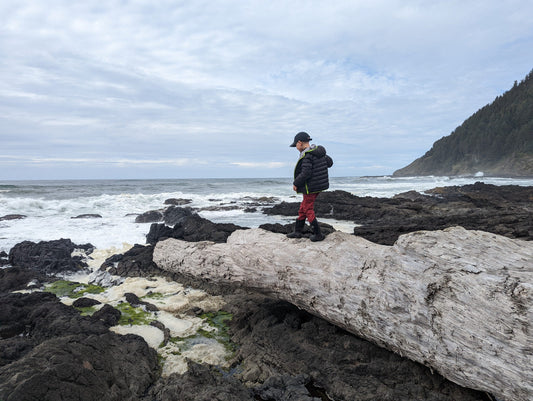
(457, 301)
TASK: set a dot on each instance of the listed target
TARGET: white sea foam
(171, 298)
(50, 206)
(152, 335)
(207, 352)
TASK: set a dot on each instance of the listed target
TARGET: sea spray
(50, 205)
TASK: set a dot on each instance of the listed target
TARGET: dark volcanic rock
(150, 217)
(158, 232)
(278, 228)
(199, 383)
(193, 228)
(48, 256)
(134, 301)
(300, 352)
(49, 352)
(13, 217)
(177, 201)
(503, 210)
(174, 215)
(15, 278)
(85, 302)
(87, 216)
(286, 388)
(4, 261)
(136, 262)
(107, 315)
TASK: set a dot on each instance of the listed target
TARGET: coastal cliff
(497, 140)
(455, 300)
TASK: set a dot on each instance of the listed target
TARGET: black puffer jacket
(311, 171)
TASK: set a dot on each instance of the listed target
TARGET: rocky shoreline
(276, 351)
(504, 210)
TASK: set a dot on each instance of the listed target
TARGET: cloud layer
(140, 89)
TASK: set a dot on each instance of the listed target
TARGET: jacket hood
(319, 151)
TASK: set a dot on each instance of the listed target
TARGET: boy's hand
(294, 188)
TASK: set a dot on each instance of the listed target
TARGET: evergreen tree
(497, 139)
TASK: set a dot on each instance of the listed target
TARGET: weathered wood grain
(457, 301)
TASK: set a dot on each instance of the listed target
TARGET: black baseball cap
(301, 136)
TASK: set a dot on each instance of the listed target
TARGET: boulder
(174, 215)
(4, 261)
(15, 278)
(107, 315)
(49, 352)
(158, 232)
(49, 257)
(150, 217)
(455, 300)
(134, 301)
(192, 228)
(85, 302)
(307, 231)
(12, 217)
(136, 262)
(177, 201)
(103, 278)
(87, 216)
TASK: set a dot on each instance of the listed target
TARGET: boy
(310, 178)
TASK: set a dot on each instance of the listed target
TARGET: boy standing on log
(310, 178)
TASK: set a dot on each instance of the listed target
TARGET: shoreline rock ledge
(458, 301)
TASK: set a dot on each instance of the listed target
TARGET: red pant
(307, 207)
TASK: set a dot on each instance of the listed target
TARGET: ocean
(49, 206)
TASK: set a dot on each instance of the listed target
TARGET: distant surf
(50, 205)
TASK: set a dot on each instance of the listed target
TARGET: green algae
(154, 295)
(218, 321)
(86, 310)
(133, 316)
(72, 289)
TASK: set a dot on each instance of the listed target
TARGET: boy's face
(301, 145)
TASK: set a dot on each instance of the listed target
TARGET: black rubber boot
(317, 234)
(298, 228)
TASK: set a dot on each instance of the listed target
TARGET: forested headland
(496, 140)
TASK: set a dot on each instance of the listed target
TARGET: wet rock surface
(174, 215)
(12, 217)
(150, 216)
(15, 278)
(192, 228)
(49, 352)
(504, 210)
(199, 383)
(284, 352)
(87, 216)
(49, 257)
(177, 201)
(136, 262)
(4, 259)
(307, 231)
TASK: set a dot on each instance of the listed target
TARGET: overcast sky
(179, 89)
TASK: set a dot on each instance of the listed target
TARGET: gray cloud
(171, 89)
